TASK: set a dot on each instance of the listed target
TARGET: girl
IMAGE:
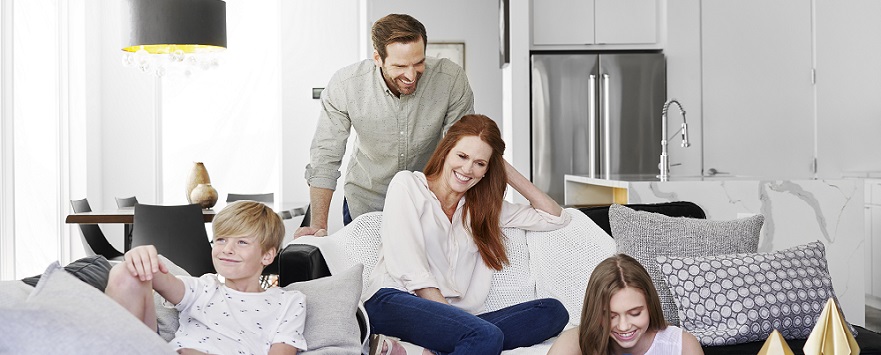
(622, 315)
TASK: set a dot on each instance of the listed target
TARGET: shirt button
(402, 132)
(402, 154)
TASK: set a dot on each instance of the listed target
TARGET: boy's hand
(143, 262)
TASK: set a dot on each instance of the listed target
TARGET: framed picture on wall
(454, 51)
(504, 33)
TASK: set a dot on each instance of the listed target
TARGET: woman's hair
(483, 201)
(610, 276)
(396, 28)
(250, 218)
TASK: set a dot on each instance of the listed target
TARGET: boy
(220, 317)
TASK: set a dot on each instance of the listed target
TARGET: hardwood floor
(873, 319)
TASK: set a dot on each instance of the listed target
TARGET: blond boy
(220, 316)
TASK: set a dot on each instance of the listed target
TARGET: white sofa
(542, 264)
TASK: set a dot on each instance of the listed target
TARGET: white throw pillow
(562, 260)
(331, 304)
(512, 284)
(63, 315)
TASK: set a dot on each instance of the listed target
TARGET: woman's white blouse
(421, 248)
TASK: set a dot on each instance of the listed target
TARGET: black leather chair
(122, 202)
(177, 232)
(94, 238)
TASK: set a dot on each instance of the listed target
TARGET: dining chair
(93, 238)
(126, 201)
(127, 228)
(177, 232)
(267, 197)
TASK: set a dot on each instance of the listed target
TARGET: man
(400, 104)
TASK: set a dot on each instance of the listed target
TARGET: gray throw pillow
(63, 315)
(646, 235)
(167, 317)
(740, 298)
(331, 303)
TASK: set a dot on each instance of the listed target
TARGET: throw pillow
(739, 298)
(63, 315)
(92, 270)
(562, 260)
(646, 235)
(167, 317)
(13, 292)
(512, 284)
(331, 303)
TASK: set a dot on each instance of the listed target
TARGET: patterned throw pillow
(740, 298)
(646, 235)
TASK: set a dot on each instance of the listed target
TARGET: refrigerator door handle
(592, 125)
(607, 130)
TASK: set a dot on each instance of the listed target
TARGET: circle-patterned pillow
(739, 298)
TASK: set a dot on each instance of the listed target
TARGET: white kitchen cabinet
(758, 94)
(580, 22)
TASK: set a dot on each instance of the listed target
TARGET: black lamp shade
(165, 26)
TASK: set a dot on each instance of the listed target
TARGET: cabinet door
(626, 21)
(562, 22)
(758, 96)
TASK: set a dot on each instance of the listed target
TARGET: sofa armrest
(300, 262)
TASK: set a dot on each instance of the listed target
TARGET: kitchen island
(797, 211)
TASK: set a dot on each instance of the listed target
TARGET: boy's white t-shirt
(219, 320)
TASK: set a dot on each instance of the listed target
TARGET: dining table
(126, 215)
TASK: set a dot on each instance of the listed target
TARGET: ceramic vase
(198, 175)
(205, 195)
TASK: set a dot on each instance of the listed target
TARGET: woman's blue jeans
(445, 329)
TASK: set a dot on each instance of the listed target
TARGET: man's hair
(250, 218)
(396, 28)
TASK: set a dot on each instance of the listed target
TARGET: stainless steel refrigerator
(597, 115)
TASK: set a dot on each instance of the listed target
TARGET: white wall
(473, 22)
(318, 38)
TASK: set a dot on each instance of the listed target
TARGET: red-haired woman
(441, 242)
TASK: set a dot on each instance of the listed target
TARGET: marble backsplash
(796, 212)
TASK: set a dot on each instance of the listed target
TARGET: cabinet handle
(592, 125)
(607, 130)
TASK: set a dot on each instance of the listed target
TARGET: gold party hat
(831, 335)
(775, 345)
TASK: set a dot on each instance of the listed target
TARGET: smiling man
(399, 103)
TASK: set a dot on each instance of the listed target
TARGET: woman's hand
(431, 294)
(143, 262)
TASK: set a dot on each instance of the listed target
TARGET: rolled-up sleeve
(526, 217)
(403, 239)
(329, 142)
(461, 99)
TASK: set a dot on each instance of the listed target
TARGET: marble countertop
(621, 180)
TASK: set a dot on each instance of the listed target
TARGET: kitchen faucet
(665, 164)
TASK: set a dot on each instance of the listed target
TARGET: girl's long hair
(483, 201)
(610, 276)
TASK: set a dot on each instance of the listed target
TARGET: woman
(622, 292)
(441, 242)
